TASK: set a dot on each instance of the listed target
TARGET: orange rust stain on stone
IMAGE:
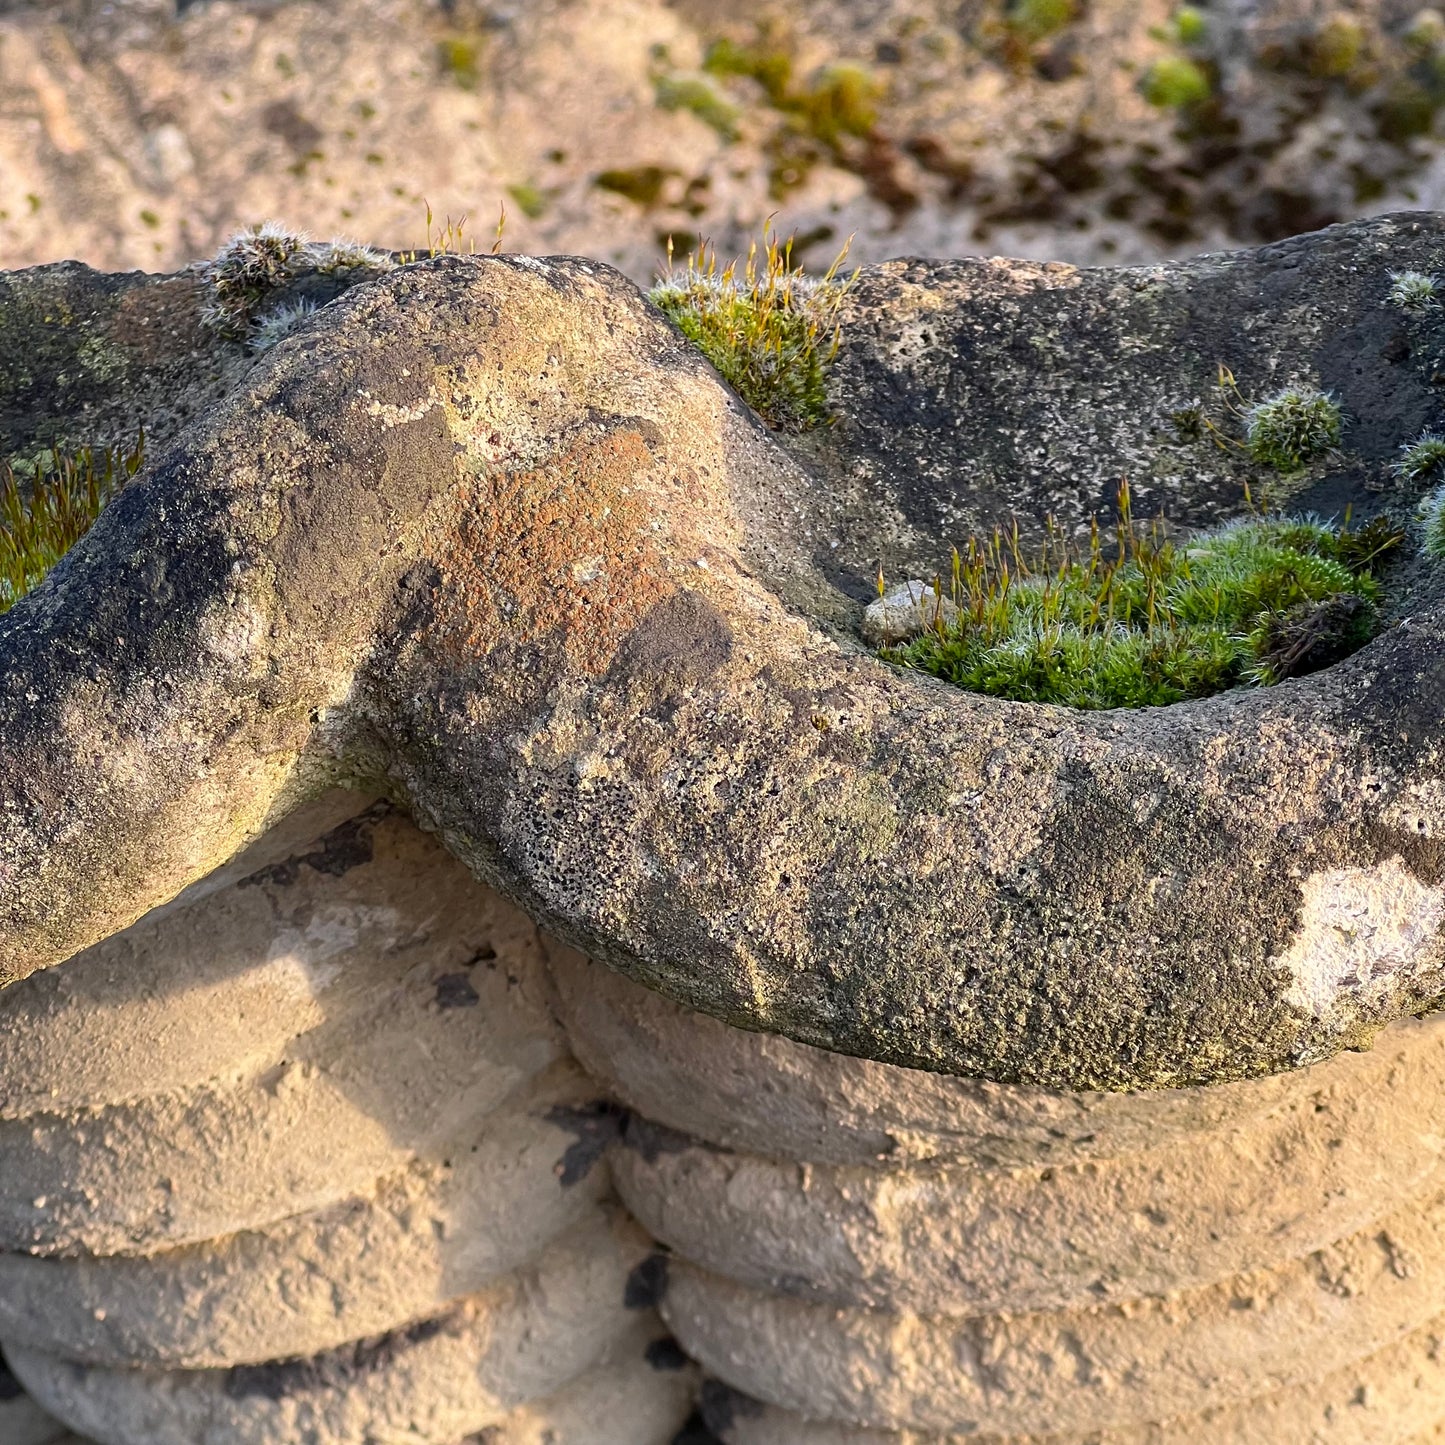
(565, 551)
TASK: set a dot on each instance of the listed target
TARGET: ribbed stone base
(863, 1254)
(329, 1152)
(306, 1157)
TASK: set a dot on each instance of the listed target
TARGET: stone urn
(490, 954)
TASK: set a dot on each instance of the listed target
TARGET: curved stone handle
(488, 535)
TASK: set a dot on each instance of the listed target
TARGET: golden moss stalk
(770, 329)
(43, 516)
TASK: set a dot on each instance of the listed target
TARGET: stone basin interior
(980, 393)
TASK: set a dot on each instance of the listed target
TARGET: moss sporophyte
(43, 515)
(767, 327)
(1137, 619)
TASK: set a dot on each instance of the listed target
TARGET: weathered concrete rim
(372, 563)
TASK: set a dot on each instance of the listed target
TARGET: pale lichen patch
(1359, 928)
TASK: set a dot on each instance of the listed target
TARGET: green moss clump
(769, 329)
(247, 272)
(531, 201)
(1414, 291)
(1191, 26)
(44, 516)
(250, 266)
(1422, 461)
(460, 58)
(699, 98)
(1432, 524)
(642, 185)
(838, 100)
(770, 65)
(1146, 622)
(1406, 110)
(278, 324)
(1337, 47)
(1291, 427)
(1175, 81)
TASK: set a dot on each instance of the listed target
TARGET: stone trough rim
(284, 728)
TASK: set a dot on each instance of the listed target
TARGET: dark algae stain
(647, 1284)
(336, 854)
(278, 1380)
(595, 1128)
(454, 990)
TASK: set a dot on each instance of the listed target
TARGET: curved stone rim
(485, 534)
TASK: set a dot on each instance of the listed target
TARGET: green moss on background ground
(1174, 81)
(1432, 524)
(768, 328)
(1138, 620)
(838, 100)
(44, 515)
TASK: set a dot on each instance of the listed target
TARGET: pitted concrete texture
(192, 994)
(768, 1095)
(324, 1171)
(947, 1293)
(291, 836)
(951, 1238)
(417, 1240)
(440, 1016)
(434, 1380)
(1393, 1398)
(486, 537)
(640, 1395)
(1133, 1363)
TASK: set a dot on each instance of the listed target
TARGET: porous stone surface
(761, 1094)
(486, 535)
(323, 1038)
(21, 1419)
(978, 392)
(959, 1240)
(483, 538)
(524, 1339)
(95, 359)
(1379, 1401)
(313, 1281)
